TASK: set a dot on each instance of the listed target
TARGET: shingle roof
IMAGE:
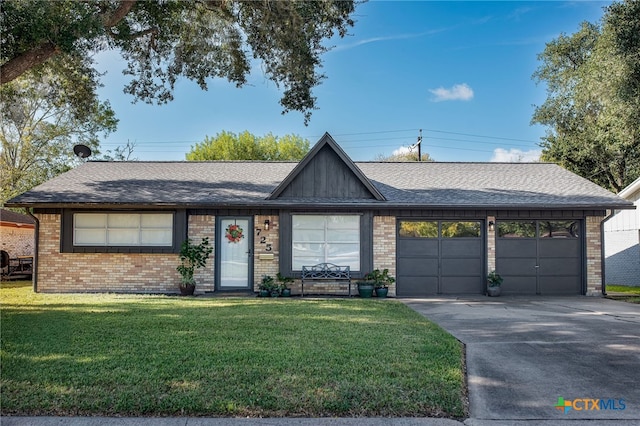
(13, 217)
(214, 184)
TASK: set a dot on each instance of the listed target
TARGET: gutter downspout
(35, 249)
(610, 214)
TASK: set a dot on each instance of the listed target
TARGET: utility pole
(419, 143)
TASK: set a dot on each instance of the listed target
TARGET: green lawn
(155, 355)
(631, 294)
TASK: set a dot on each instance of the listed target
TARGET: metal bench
(326, 272)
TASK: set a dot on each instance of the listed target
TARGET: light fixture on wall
(491, 226)
(266, 225)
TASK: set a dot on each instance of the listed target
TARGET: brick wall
(199, 227)
(491, 244)
(100, 272)
(17, 241)
(594, 256)
(266, 249)
(384, 246)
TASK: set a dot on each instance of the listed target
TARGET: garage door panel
(526, 267)
(417, 286)
(448, 261)
(553, 247)
(462, 285)
(418, 246)
(518, 285)
(560, 285)
(559, 267)
(416, 266)
(516, 247)
(559, 260)
(461, 247)
(462, 267)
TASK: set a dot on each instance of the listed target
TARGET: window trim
(67, 234)
(326, 243)
(366, 240)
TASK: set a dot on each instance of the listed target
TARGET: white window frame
(137, 231)
(325, 242)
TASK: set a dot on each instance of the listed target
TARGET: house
(17, 239)
(438, 227)
(16, 233)
(622, 241)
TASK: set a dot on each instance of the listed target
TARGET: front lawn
(106, 354)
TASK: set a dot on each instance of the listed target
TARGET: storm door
(234, 255)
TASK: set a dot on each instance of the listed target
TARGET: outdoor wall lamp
(491, 225)
(266, 225)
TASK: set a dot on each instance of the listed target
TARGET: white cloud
(402, 150)
(458, 92)
(513, 155)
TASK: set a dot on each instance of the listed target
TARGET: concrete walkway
(525, 353)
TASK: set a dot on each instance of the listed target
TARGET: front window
(123, 229)
(325, 239)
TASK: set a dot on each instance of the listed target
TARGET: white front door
(234, 253)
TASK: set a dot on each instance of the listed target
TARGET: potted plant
(267, 286)
(285, 291)
(192, 257)
(494, 281)
(381, 281)
(365, 287)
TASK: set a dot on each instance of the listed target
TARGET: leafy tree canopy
(43, 114)
(245, 146)
(592, 108)
(404, 156)
(162, 40)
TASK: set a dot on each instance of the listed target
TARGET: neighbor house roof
(242, 183)
(13, 219)
(631, 189)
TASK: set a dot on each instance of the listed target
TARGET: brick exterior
(384, 246)
(266, 243)
(100, 272)
(594, 256)
(156, 273)
(491, 244)
(17, 241)
(199, 227)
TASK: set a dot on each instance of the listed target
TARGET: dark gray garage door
(539, 257)
(439, 257)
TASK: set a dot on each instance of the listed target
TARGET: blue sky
(461, 71)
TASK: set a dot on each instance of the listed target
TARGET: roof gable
(326, 172)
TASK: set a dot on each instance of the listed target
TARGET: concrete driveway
(525, 353)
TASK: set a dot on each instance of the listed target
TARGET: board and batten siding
(326, 176)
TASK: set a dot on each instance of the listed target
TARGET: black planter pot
(382, 291)
(265, 293)
(286, 292)
(275, 294)
(187, 289)
(365, 290)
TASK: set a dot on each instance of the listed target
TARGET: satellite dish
(82, 151)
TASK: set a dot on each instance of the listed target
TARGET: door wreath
(234, 233)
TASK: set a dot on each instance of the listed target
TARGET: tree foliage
(404, 156)
(245, 146)
(43, 115)
(163, 40)
(592, 108)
